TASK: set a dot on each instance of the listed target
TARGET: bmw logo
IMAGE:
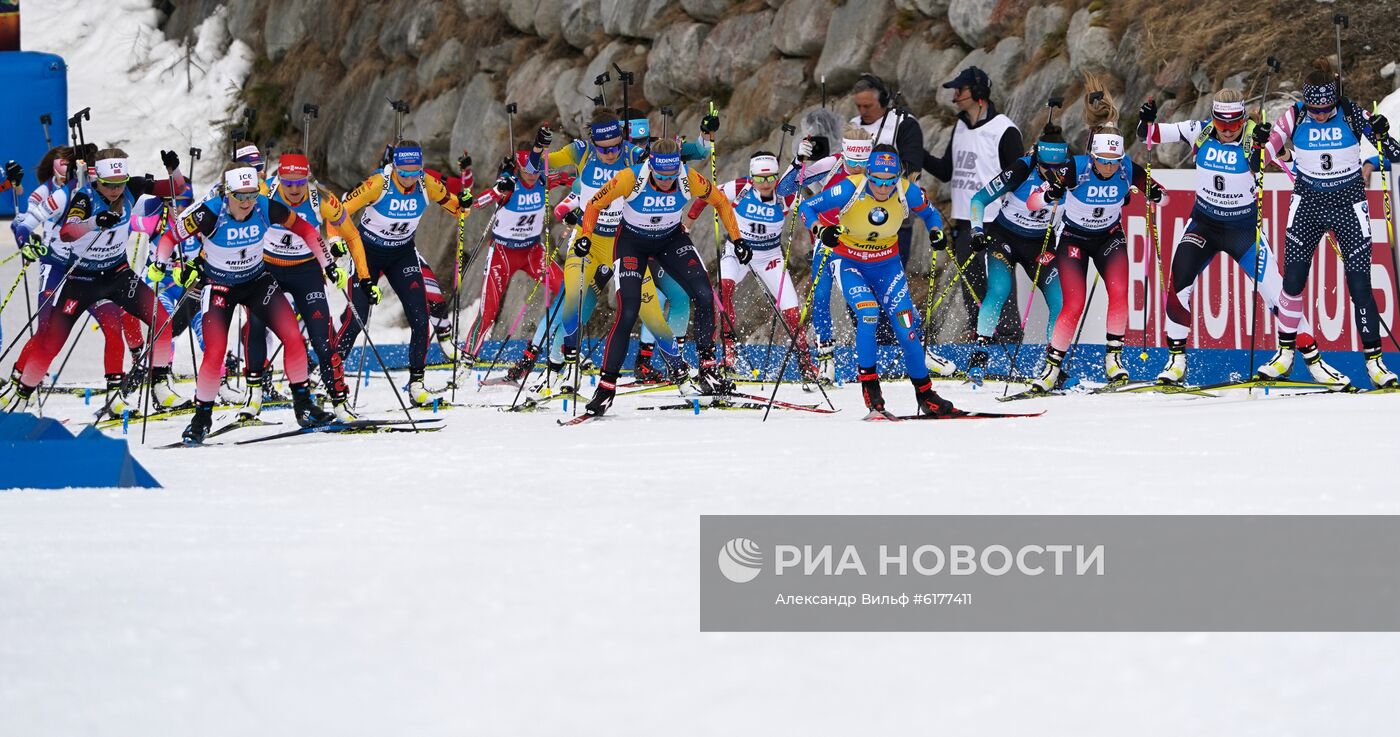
(879, 215)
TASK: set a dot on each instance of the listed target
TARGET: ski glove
(936, 239)
(543, 137)
(828, 235)
(804, 149)
(1148, 111)
(464, 162)
(572, 217)
(709, 124)
(1055, 192)
(14, 172)
(107, 219)
(187, 273)
(370, 288)
(170, 159)
(582, 245)
(337, 276)
(1154, 192)
(743, 252)
(981, 241)
(32, 250)
(1380, 127)
(1262, 131)
(338, 248)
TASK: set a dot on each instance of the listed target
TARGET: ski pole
(801, 325)
(1035, 286)
(380, 360)
(1272, 65)
(457, 275)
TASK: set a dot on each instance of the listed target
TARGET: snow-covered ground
(114, 49)
(507, 576)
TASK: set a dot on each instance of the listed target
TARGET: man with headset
(983, 144)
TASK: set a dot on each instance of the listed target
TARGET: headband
(856, 150)
(1107, 146)
(244, 177)
(764, 164)
(605, 131)
(884, 163)
(408, 156)
(666, 163)
(1053, 153)
(293, 167)
(1227, 111)
(1320, 95)
(111, 169)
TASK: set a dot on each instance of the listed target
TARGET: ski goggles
(616, 148)
(1320, 109)
(292, 182)
(408, 173)
(1107, 148)
(882, 181)
(764, 178)
(109, 182)
(245, 196)
(658, 176)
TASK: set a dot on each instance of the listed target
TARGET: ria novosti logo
(740, 560)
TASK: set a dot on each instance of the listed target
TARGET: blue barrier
(32, 84)
(1205, 365)
(40, 453)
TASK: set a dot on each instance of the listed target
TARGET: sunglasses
(113, 182)
(883, 181)
(1106, 162)
(664, 177)
(409, 174)
(765, 178)
(615, 148)
(293, 182)
(245, 196)
(1321, 110)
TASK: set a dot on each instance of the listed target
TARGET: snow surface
(509, 577)
(143, 95)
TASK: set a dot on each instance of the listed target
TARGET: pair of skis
(353, 427)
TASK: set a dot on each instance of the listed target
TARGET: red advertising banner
(1220, 307)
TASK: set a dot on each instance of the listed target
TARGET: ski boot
(977, 363)
(938, 365)
(450, 351)
(1281, 364)
(7, 386)
(1175, 371)
(198, 428)
(252, 406)
(929, 402)
(870, 392)
(116, 399)
(1381, 377)
(811, 377)
(644, 373)
(1113, 361)
(1321, 371)
(826, 361)
(418, 395)
(551, 382)
(20, 399)
(603, 397)
(161, 391)
(307, 412)
(340, 404)
(1050, 375)
(522, 368)
(710, 381)
(680, 374)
